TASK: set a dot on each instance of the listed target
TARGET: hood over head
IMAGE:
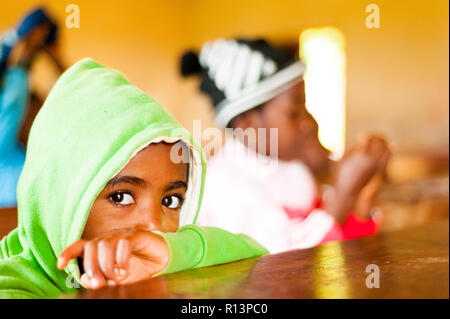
(92, 123)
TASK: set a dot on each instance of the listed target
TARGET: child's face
(146, 194)
(297, 129)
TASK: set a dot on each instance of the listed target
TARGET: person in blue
(34, 34)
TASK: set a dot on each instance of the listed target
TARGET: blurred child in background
(19, 48)
(254, 85)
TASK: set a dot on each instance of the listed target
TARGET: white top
(253, 194)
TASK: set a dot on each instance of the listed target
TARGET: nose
(151, 219)
(307, 124)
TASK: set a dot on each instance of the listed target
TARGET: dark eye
(121, 198)
(172, 201)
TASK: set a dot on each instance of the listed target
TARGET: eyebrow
(175, 185)
(127, 179)
(140, 182)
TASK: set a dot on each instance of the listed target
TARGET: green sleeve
(193, 247)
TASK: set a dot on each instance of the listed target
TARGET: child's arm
(128, 256)
(13, 101)
(354, 173)
(193, 247)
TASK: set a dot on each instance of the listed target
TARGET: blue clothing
(13, 101)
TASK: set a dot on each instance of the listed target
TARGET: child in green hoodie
(105, 196)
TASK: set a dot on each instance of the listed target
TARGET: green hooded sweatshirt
(92, 123)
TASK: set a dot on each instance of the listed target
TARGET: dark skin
(30, 46)
(26, 51)
(356, 177)
(297, 129)
(118, 245)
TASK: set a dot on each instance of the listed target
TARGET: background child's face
(297, 129)
(146, 194)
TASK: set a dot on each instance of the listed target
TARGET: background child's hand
(121, 257)
(364, 163)
(368, 157)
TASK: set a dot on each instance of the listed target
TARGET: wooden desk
(413, 263)
(8, 220)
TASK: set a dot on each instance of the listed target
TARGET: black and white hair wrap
(241, 74)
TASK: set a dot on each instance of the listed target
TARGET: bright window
(323, 52)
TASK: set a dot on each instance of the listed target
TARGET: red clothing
(353, 227)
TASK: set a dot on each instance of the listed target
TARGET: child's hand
(121, 257)
(362, 164)
(369, 157)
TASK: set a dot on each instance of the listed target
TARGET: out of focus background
(393, 79)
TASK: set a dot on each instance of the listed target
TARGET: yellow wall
(397, 75)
